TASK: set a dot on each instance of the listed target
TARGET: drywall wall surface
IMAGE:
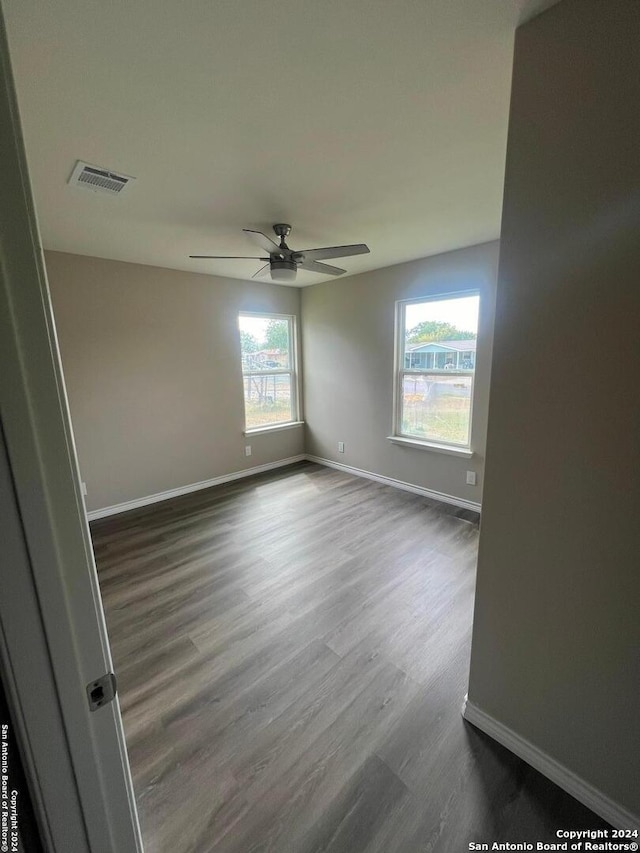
(151, 359)
(556, 639)
(348, 334)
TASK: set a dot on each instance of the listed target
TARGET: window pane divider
(435, 371)
(268, 372)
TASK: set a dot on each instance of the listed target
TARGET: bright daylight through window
(436, 363)
(267, 344)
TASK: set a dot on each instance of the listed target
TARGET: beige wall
(556, 641)
(348, 332)
(152, 365)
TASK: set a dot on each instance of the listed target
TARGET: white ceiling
(353, 120)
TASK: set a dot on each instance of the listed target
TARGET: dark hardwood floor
(292, 654)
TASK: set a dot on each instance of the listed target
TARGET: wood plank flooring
(292, 654)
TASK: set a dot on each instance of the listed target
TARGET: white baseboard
(566, 779)
(137, 503)
(398, 484)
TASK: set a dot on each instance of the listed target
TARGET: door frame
(53, 638)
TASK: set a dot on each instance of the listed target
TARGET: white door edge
(41, 456)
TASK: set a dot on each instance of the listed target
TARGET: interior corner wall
(151, 359)
(556, 638)
(348, 333)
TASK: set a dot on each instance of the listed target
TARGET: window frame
(399, 372)
(292, 371)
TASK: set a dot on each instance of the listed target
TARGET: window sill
(463, 452)
(273, 428)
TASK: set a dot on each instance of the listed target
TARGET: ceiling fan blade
(325, 269)
(262, 271)
(229, 257)
(335, 252)
(264, 242)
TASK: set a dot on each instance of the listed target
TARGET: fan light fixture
(283, 270)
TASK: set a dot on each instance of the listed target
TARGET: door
(53, 640)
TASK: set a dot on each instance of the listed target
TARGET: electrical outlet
(247, 450)
(471, 478)
(341, 447)
(84, 489)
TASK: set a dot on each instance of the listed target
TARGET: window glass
(267, 399)
(268, 360)
(436, 368)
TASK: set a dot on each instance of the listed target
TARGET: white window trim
(451, 449)
(397, 436)
(273, 427)
(292, 371)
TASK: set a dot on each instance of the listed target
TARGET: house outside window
(268, 346)
(435, 367)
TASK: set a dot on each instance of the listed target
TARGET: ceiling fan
(283, 263)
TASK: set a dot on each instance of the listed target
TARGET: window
(436, 361)
(268, 348)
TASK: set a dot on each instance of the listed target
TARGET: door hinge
(101, 691)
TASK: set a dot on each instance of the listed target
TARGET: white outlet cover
(247, 450)
(471, 478)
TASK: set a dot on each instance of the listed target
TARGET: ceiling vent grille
(99, 180)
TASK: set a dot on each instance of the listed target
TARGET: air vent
(99, 180)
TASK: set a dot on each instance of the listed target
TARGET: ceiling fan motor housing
(283, 270)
